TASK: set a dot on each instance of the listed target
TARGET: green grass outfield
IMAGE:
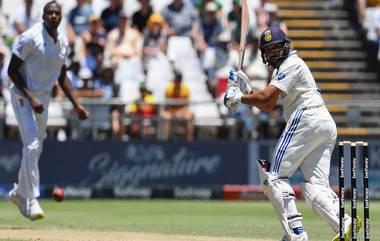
(233, 219)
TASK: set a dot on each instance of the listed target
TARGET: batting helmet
(272, 36)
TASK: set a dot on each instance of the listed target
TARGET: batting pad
(323, 201)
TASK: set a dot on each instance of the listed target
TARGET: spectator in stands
(211, 27)
(78, 20)
(5, 83)
(155, 40)
(157, 68)
(105, 82)
(181, 19)
(357, 9)
(107, 85)
(377, 26)
(178, 91)
(140, 18)
(184, 40)
(89, 88)
(246, 123)
(123, 49)
(261, 16)
(19, 28)
(142, 112)
(361, 5)
(372, 25)
(25, 18)
(224, 60)
(234, 23)
(270, 123)
(234, 16)
(73, 74)
(144, 105)
(110, 15)
(3, 21)
(255, 68)
(124, 42)
(93, 43)
(267, 17)
(4, 60)
(86, 87)
(4, 50)
(272, 19)
(200, 6)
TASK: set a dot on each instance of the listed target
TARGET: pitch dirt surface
(13, 234)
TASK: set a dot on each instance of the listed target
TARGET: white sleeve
(285, 78)
(23, 47)
(67, 50)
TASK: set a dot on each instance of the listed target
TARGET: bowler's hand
(36, 105)
(81, 112)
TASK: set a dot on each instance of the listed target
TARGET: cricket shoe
(348, 227)
(21, 203)
(35, 210)
(28, 208)
(296, 237)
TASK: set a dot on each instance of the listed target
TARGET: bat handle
(240, 67)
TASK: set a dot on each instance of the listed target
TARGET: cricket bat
(243, 31)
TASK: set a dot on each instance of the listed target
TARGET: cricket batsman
(307, 141)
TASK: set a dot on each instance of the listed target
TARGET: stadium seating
(333, 49)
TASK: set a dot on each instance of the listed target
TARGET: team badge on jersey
(281, 76)
(19, 47)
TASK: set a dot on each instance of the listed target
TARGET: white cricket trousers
(307, 142)
(32, 128)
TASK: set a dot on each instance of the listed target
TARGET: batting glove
(243, 82)
(232, 98)
(233, 82)
(232, 79)
(233, 107)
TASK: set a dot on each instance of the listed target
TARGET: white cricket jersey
(294, 78)
(43, 58)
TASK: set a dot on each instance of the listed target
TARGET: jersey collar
(47, 35)
(293, 52)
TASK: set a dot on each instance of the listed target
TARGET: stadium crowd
(140, 63)
(365, 16)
